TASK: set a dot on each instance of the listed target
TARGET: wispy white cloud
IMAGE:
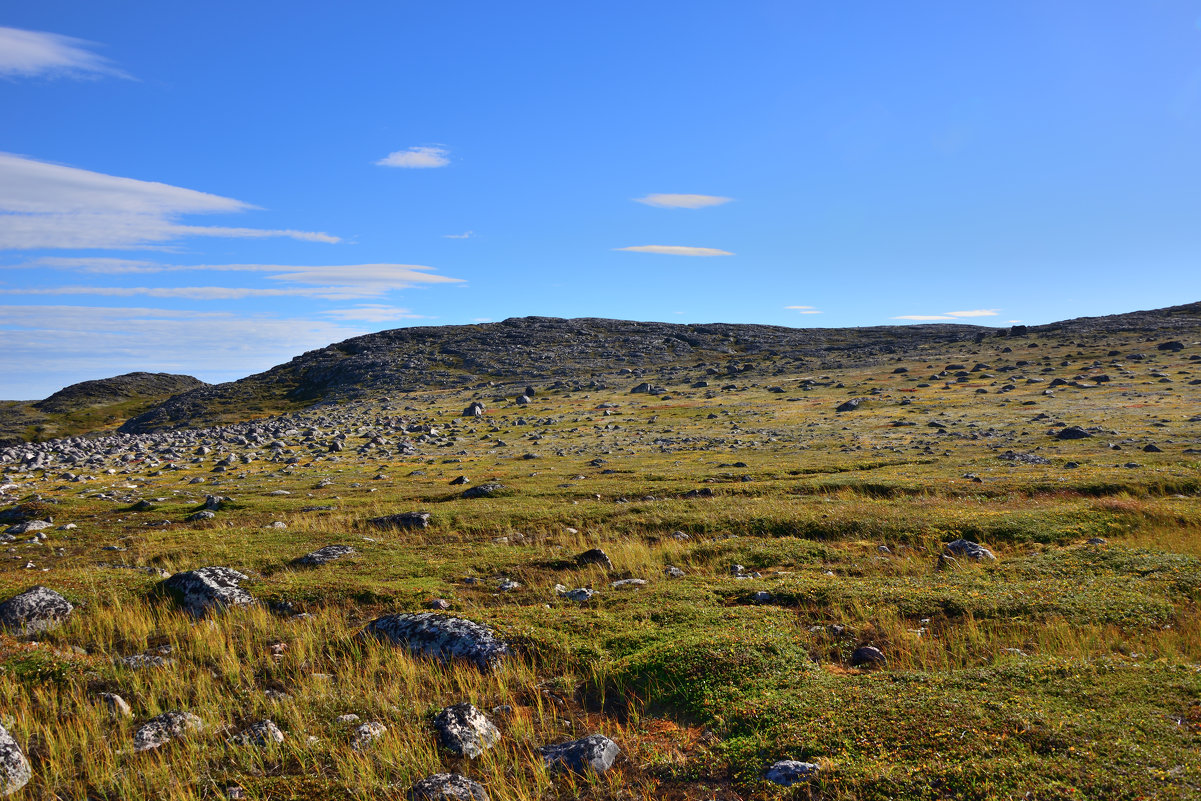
(663, 201)
(677, 250)
(43, 348)
(32, 53)
(951, 315)
(416, 158)
(329, 282)
(803, 309)
(464, 235)
(53, 206)
(373, 313)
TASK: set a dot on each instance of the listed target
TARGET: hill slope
(582, 352)
(89, 405)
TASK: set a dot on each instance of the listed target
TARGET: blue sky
(212, 188)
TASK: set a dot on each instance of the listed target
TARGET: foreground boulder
(596, 752)
(209, 589)
(788, 772)
(36, 610)
(442, 637)
(465, 730)
(450, 786)
(14, 767)
(323, 556)
(164, 728)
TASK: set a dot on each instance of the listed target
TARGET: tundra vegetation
(715, 587)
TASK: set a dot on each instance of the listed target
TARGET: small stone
(264, 733)
(788, 772)
(366, 734)
(465, 730)
(447, 787)
(164, 728)
(867, 656)
(117, 706)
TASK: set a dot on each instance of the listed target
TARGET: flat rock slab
(323, 556)
(207, 589)
(465, 730)
(164, 728)
(788, 772)
(450, 786)
(442, 637)
(14, 767)
(596, 752)
(36, 610)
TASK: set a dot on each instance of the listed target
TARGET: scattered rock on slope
(465, 730)
(442, 637)
(209, 588)
(36, 610)
(14, 767)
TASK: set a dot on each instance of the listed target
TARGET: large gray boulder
(14, 767)
(164, 728)
(404, 520)
(209, 589)
(788, 772)
(442, 637)
(596, 752)
(449, 786)
(323, 556)
(36, 610)
(465, 730)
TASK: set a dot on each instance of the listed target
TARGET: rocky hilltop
(89, 405)
(584, 352)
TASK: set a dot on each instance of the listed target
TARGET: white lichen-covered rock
(465, 730)
(442, 637)
(368, 733)
(209, 588)
(263, 733)
(36, 610)
(14, 767)
(788, 772)
(448, 787)
(596, 752)
(117, 706)
(969, 549)
(164, 728)
(323, 556)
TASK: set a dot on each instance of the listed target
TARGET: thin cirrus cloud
(373, 313)
(953, 315)
(328, 282)
(53, 206)
(803, 309)
(28, 54)
(416, 158)
(669, 201)
(676, 250)
(43, 348)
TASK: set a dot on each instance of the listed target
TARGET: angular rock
(323, 556)
(849, 406)
(595, 752)
(404, 520)
(969, 549)
(594, 556)
(28, 526)
(448, 786)
(15, 772)
(263, 733)
(1073, 432)
(488, 490)
(117, 706)
(367, 733)
(465, 730)
(164, 728)
(36, 610)
(867, 656)
(209, 589)
(788, 772)
(442, 637)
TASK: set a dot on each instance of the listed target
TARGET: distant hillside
(584, 352)
(89, 406)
